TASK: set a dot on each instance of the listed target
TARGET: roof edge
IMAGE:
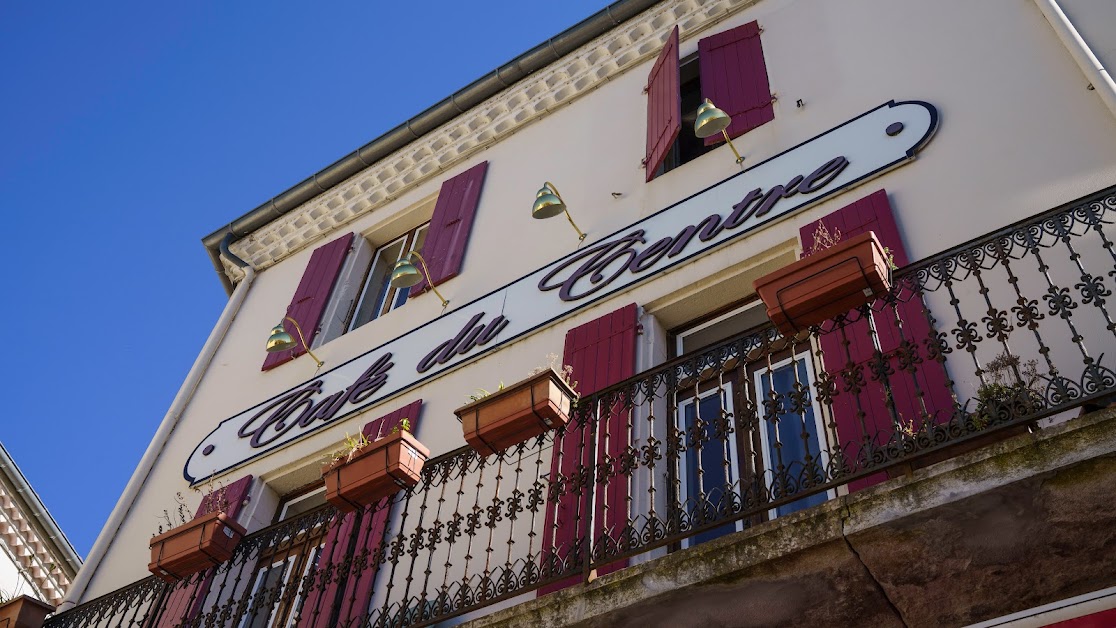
(56, 536)
(433, 117)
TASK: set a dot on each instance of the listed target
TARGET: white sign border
(580, 304)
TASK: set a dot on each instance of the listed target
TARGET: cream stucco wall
(1019, 133)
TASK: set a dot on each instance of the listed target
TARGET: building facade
(36, 558)
(976, 141)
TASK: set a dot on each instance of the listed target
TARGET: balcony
(1007, 334)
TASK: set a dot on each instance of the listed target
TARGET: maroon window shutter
(664, 106)
(317, 608)
(187, 602)
(233, 495)
(734, 77)
(602, 353)
(369, 526)
(312, 295)
(928, 384)
(444, 247)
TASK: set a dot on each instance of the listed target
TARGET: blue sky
(132, 129)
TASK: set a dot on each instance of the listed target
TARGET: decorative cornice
(536, 96)
(34, 558)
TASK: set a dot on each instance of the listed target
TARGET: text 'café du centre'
(702, 312)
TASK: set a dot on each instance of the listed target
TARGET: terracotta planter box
(829, 282)
(24, 612)
(205, 542)
(521, 411)
(377, 471)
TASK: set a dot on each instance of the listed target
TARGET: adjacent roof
(44, 534)
(457, 103)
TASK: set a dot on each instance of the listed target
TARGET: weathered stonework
(527, 101)
(1021, 523)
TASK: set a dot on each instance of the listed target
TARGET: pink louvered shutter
(734, 77)
(369, 525)
(444, 247)
(927, 386)
(602, 353)
(664, 106)
(311, 296)
(187, 602)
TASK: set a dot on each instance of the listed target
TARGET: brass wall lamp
(280, 340)
(711, 121)
(405, 274)
(549, 203)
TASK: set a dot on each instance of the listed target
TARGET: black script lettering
(600, 257)
(603, 263)
(495, 327)
(470, 341)
(277, 413)
(682, 239)
(325, 410)
(647, 258)
(470, 336)
(449, 349)
(370, 381)
(774, 195)
(823, 176)
(710, 227)
(273, 418)
(737, 217)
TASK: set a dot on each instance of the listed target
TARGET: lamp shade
(405, 274)
(547, 203)
(710, 120)
(280, 340)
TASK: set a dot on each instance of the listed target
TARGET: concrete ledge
(1024, 522)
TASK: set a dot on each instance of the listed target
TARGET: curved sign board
(872, 143)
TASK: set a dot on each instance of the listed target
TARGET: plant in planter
(1010, 391)
(835, 277)
(364, 471)
(494, 422)
(191, 544)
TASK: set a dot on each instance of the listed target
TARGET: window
(282, 567)
(346, 282)
(687, 146)
(728, 69)
(377, 296)
(791, 444)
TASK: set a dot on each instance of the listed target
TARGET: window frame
(739, 386)
(389, 300)
(295, 555)
(689, 75)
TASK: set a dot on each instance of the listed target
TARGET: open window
(686, 146)
(728, 69)
(345, 285)
(377, 296)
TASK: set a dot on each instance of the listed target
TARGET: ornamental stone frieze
(561, 83)
(31, 555)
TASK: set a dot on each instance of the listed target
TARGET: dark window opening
(687, 147)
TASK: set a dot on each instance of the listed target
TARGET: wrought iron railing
(974, 343)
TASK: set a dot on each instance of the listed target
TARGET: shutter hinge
(774, 97)
(639, 329)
